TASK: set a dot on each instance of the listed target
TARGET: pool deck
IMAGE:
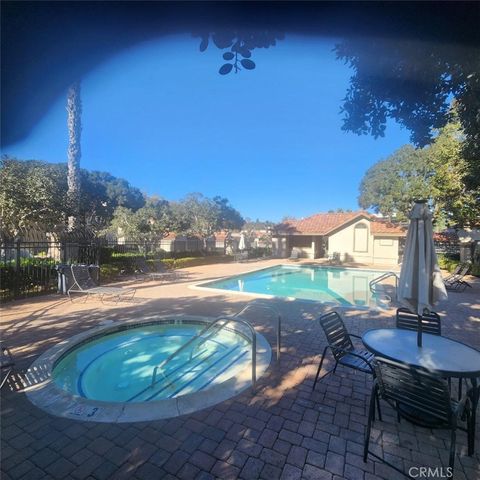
(284, 430)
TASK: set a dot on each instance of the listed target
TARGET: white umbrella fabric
(421, 285)
(242, 244)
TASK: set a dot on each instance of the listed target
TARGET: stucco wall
(379, 250)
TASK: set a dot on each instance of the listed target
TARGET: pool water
(341, 286)
(118, 367)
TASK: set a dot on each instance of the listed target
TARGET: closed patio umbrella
(242, 244)
(421, 285)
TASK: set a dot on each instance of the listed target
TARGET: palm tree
(74, 122)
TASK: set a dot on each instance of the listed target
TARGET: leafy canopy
(413, 83)
(436, 173)
(149, 223)
(33, 195)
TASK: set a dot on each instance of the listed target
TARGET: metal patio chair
(82, 282)
(456, 282)
(6, 363)
(421, 397)
(407, 320)
(158, 271)
(343, 350)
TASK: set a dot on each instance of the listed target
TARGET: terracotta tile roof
(384, 227)
(325, 223)
(321, 223)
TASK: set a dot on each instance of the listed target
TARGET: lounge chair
(6, 363)
(158, 271)
(82, 282)
(240, 256)
(455, 272)
(422, 398)
(294, 255)
(456, 282)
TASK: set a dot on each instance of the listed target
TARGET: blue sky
(270, 140)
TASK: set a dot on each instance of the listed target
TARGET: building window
(360, 238)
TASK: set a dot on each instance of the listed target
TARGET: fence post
(17, 268)
(63, 252)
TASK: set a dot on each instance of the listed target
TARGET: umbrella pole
(419, 331)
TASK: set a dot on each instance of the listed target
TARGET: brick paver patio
(284, 430)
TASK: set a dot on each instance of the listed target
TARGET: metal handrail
(226, 321)
(384, 276)
(276, 313)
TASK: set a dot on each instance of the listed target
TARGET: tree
(201, 216)
(148, 224)
(101, 194)
(74, 122)
(436, 173)
(229, 218)
(32, 196)
(412, 82)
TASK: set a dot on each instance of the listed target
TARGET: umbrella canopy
(242, 244)
(421, 285)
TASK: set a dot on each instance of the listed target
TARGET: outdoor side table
(448, 357)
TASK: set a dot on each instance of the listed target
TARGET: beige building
(353, 237)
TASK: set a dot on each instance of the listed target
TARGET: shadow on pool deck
(284, 428)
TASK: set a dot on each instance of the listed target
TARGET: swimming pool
(340, 286)
(149, 368)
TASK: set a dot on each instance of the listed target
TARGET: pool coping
(49, 397)
(201, 285)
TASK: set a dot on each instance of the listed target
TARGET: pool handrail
(226, 320)
(275, 312)
(384, 276)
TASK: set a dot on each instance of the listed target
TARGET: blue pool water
(341, 286)
(118, 367)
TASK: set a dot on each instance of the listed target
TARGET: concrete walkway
(283, 431)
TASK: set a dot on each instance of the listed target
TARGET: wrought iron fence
(29, 268)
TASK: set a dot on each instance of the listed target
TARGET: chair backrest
(81, 276)
(408, 320)
(413, 390)
(336, 333)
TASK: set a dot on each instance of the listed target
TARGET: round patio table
(448, 357)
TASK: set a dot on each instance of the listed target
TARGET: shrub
(446, 262)
(109, 272)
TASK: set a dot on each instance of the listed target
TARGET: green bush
(475, 270)
(109, 272)
(197, 261)
(446, 262)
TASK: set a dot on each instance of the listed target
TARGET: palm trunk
(74, 122)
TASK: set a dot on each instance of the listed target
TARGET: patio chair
(158, 272)
(421, 397)
(294, 254)
(341, 345)
(456, 282)
(82, 282)
(455, 272)
(6, 363)
(407, 320)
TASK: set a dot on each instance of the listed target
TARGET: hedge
(124, 263)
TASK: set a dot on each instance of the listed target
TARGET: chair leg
(5, 378)
(453, 439)
(378, 408)
(320, 367)
(371, 413)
